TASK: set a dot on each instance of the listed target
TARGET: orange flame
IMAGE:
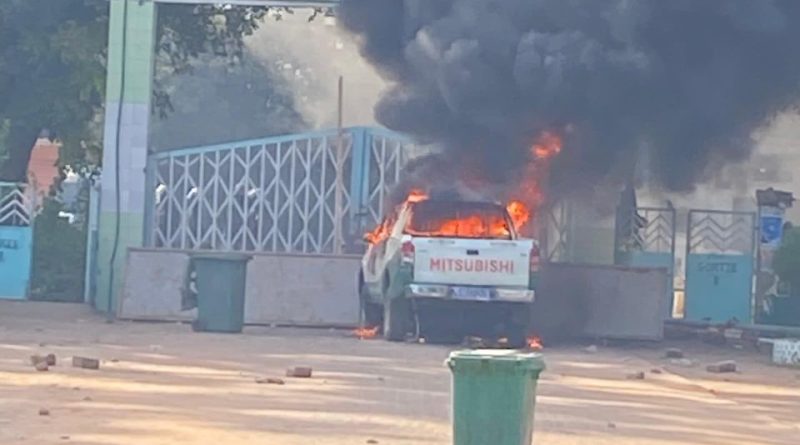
(529, 192)
(366, 333)
(381, 232)
(519, 212)
(548, 145)
(468, 227)
(416, 195)
(534, 343)
(527, 199)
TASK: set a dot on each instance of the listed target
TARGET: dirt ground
(164, 384)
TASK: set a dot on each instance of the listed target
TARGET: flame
(547, 145)
(529, 195)
(381, 232)
(519, 212)
(534, 343)
(416, 195)
(366, 333)
(468, 227)
(526, 199)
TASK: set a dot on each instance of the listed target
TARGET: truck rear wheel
(396, 318)
(519, 326)
(371, 314)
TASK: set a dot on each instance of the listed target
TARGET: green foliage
(58, 256)
(787, 259)
(53, 66)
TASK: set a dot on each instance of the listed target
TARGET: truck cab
(447, 256)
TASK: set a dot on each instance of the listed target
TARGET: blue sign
(771, 230)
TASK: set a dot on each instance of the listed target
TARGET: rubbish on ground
(722, 367)
(372, 441)
(590, 349)
(685, 362)
(656, 371)
(299, 372)
(673, 353)
(85, 363)
(635, 376)
(271, 381)
(44, 412)
(42, 366)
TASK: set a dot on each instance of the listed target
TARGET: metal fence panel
(272, 195)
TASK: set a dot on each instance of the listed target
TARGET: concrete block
(722, 367)
(85, 363)
(673, 353)
(299, 372)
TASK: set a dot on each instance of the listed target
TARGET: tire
(396, 319)
(519, 327)
(371, 313)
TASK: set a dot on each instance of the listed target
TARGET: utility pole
(338, 236)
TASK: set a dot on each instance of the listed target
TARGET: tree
(52, 68)
(787, 260)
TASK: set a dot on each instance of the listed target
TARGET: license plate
(472, 293)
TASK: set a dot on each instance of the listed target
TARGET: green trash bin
(220, 282)
(494, 395)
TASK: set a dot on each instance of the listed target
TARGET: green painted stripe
(130, 235)
(139, 51)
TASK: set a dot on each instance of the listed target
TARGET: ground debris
(372, 441)
(41, 366)
(85, 363)
(271, 381)
(635, 376)
(722, 367)
(303, 372)
(591, 349)
(611, 425)
(673, 353)
(44, 412)
(685, 362)
(656, 371)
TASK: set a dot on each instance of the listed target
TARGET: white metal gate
(275, 194)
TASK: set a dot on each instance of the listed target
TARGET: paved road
(163, 384)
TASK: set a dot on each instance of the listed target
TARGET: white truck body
(472, 262)
(460, 268)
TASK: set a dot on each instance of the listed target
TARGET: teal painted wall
(16, 246)
(719, 287)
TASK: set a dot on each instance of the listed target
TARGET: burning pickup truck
(461, 259)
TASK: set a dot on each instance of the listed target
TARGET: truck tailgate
(472, 262)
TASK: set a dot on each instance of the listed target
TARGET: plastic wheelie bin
(493, 396)
(220, 287)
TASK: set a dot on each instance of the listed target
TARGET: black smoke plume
(678, 85)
